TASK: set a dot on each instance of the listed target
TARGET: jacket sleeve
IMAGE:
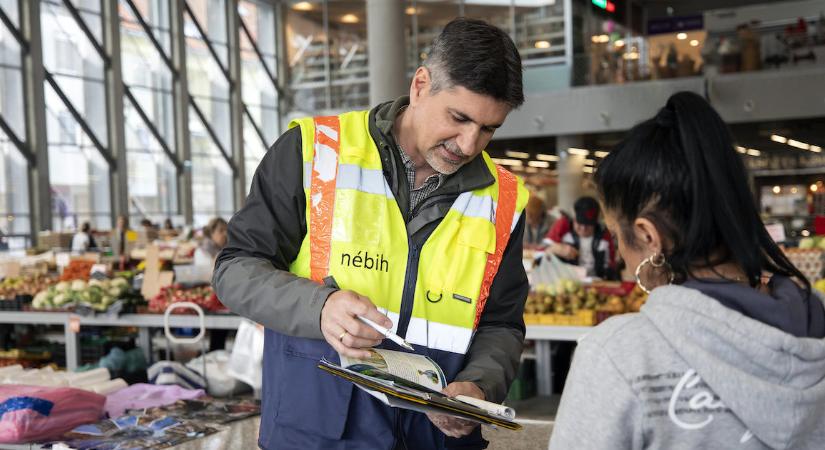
(251, 274)
(495, 353)
(558, 230)
(598, 408)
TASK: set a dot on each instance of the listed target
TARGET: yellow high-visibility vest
(356, 232)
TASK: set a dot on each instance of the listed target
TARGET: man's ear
(647, 235)
(420, 85)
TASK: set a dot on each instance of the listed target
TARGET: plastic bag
(550, 270)
(246, 361)
(33, 413)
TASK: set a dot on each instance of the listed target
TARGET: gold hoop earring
(656, 261)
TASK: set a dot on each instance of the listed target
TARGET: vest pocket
(312, 400)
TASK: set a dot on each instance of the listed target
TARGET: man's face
(453, 125)
(583, 230)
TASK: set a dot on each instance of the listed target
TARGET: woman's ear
(647, 236)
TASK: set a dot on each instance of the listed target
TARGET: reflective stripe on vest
(324, 172)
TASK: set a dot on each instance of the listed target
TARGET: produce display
(97, 294)
(78, 269)
(202, 296)
(25, 285)
(568, 302)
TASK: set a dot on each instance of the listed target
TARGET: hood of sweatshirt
(772, 380)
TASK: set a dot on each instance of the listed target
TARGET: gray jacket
(264, 237)
(690, 373)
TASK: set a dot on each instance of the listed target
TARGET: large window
(207, 62)
(75, 116)
(258, 87)
(148, 110)
(14, 189)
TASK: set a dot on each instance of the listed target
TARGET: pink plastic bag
(35, 413)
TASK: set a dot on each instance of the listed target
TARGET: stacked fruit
(25, 285)
(568, 297)
(202, 296)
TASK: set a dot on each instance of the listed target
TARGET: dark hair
(86, 227)
(587, 210)
(680, 171)
(479, 57)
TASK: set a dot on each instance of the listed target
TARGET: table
(542, 334)
(144, 322)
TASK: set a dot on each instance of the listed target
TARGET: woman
(728, 351)
(83, 240)
(214, 239)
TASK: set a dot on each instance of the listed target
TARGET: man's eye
(459, 119)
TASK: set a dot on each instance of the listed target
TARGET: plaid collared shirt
(430, 184)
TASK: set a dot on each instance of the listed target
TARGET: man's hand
(453, 426)
(565, 251)
(342, 329)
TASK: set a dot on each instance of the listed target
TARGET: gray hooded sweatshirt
(690, 373)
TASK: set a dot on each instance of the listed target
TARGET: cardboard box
(49, 239)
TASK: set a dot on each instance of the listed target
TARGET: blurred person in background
(214, 240)
(729, 350)
(582, 241)
(83, 239)
(537, 224)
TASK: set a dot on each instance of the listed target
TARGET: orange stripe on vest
(322, 201)
(505, 210)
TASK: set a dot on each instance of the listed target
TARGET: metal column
(36, 137)
(236, 103)
(387, 50)
(114, 105)
(181, 96)
(570, 168)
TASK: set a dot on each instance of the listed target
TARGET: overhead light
(777, 189)
(794, 190)
(589, 162)
(531, 170)
(681, 36)
(540, 164)
(349, 18)
(754, 152)
(780, 139)
(543, 157)
(410, 11)
(604, 39)
(694, 43)
(578, 151)
(741, 149)
(507, 162)
(513, 154)
(619, 43)
(815, 148)
(542, 44)
(587, 169)
(799, 145)
(814, 188)
(600, 154)
(302, 6)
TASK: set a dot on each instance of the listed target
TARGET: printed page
(412, 367)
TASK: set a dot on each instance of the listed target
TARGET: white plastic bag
(246, 360)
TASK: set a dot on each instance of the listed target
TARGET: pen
(330, 281)
(387, 333)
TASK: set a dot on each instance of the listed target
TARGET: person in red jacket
(582, 241)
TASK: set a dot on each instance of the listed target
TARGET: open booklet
(411, 381)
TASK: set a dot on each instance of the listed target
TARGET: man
(584, 242)
(421, 231)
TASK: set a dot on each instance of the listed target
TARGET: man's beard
(439, 163)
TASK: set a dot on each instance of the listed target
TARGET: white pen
(387, 333)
